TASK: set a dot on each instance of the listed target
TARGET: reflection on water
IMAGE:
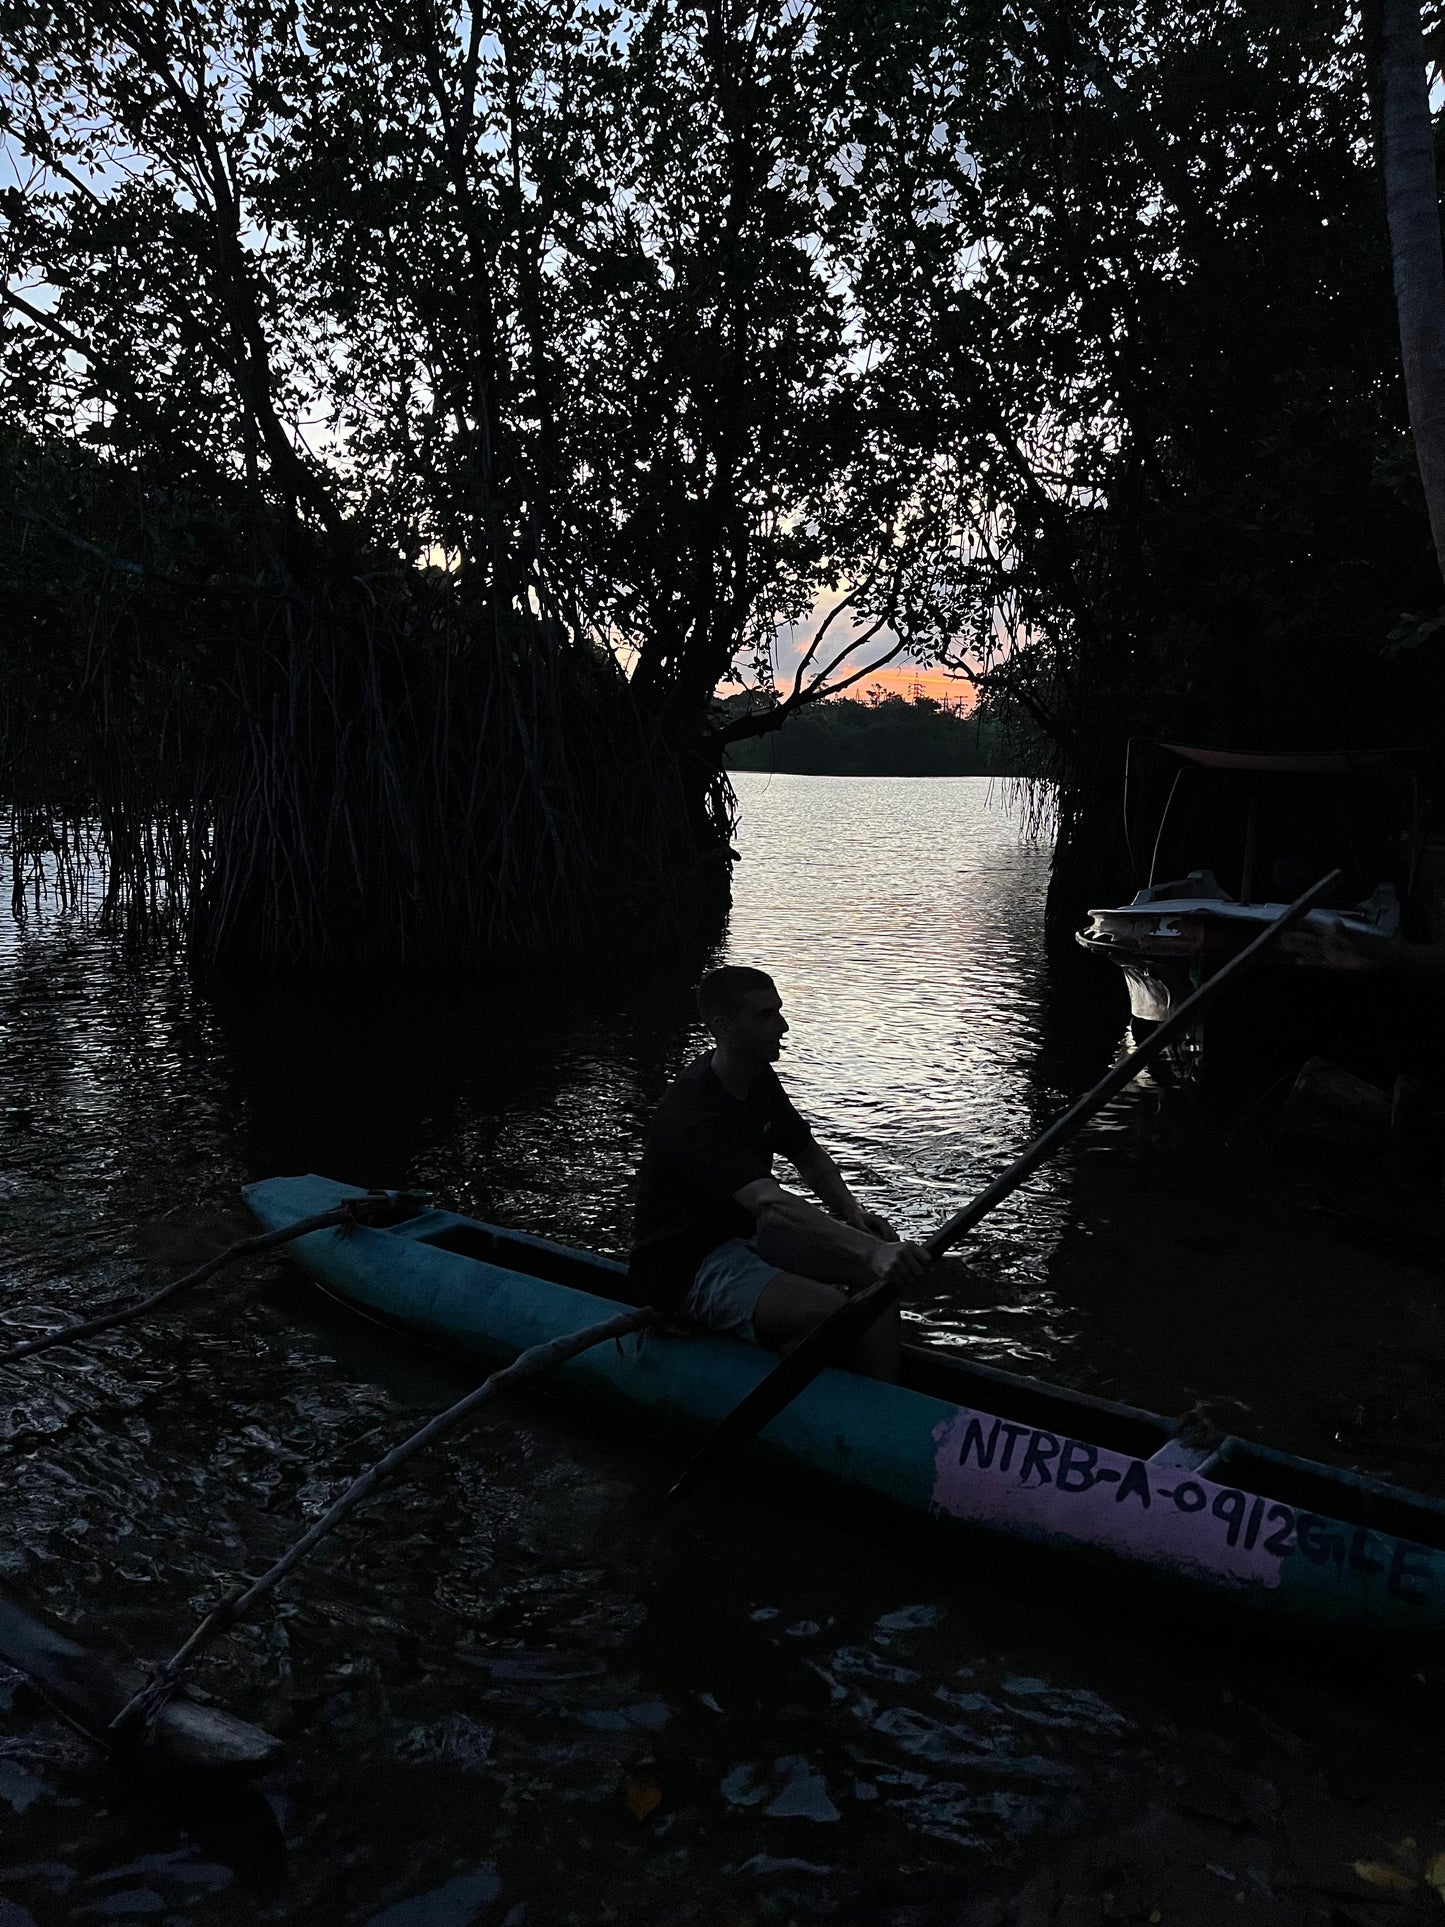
(521, 1688)
(902, 920)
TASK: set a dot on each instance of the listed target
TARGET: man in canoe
(716, 1236)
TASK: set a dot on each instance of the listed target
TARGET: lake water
(521, 1688)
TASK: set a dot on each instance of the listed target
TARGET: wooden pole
(1398, 71)
(142, 1708)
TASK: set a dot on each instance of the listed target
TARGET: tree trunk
(1406, 144)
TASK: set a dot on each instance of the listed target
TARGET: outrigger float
(964, 1446)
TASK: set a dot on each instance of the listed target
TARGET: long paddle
(840, 1328)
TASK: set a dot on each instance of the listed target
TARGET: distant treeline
(881, 736)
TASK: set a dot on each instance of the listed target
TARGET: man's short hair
(721, 992)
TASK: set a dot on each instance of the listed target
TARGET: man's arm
(836, 1253)
(826, 1181)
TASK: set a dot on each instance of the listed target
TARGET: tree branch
(220, 202)
(105, 371)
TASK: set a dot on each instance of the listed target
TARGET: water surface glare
(521, 1689)
(902, 921)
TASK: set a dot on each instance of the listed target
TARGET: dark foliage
(285, 770)
(477, 391)
(1132, 268)
(469, 392)
(889, 736)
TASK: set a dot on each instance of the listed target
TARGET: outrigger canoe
(962, 1445)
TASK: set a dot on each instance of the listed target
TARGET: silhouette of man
(716, 1236)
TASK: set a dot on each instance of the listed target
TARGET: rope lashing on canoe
(366, 1210)
(1198, 1430)
(1201, 1426)
(138, 1713)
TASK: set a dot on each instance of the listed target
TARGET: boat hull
(1285, 1009)
(1094, 1481)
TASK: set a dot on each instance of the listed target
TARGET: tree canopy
(1132, 269)
(1055, 341)
(553, 293)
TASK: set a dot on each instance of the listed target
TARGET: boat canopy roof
(1308, 762)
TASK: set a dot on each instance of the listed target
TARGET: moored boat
(964, 1446)
(1172, 936)
(1273, 819)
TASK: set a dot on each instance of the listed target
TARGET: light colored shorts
(728, 1285)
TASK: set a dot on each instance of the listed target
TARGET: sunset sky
(901, 681)
(899, 677)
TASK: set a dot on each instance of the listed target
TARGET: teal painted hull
(963, 1446)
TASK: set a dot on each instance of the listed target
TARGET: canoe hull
(946, 1462)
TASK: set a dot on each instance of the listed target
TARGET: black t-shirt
(704, 1145)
